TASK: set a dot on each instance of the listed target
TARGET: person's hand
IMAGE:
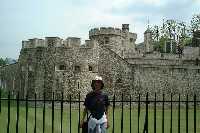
(107, 125)
(81, 124)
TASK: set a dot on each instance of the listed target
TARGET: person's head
(97, 83)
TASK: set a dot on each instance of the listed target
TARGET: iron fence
(113, 102)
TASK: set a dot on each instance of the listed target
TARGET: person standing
(96, 103)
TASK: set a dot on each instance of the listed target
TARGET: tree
(2, 62)
(195, 23)
(170, 30)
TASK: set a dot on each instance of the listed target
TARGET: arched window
(90, 68)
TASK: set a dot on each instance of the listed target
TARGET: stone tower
(121, 41)
(148, 41)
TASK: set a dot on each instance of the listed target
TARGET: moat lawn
(66, 118)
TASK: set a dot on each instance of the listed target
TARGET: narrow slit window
(62, 67)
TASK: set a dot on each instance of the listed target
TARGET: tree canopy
(174, 30)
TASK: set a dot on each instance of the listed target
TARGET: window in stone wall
(77, 68)
(131, 40)
(197, 61)
(62, 67)
(106, 40)
(198, 70)
(90, 68)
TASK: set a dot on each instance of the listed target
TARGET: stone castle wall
(167, 79)
(64, 65)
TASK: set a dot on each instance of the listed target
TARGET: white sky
(25, 19)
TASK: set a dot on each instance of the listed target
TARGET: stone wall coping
(105, 30)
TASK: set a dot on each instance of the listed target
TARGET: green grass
(57, 119)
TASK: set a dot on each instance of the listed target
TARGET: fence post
(35, 115)
(187, 113)
(139, 114)
(130, 113)
(52, 113)
(171, 116)
(179, 113)
(113, 112)
(146, 116)
(61, 126)
(79, 110)
(8, 124)
(44, 99)
(195, 122)
(163, 114)
(26, 113)
(0, 100)
(17, 122)
(122, 114)
(70, 113)
(155, 114)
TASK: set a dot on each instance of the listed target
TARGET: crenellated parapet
(33, 43)
(51, 42)
(105, 31)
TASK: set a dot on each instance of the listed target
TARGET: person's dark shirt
(96, 103)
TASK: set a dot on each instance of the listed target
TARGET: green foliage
(187, 41)
(159, 45)
(178, 31)
(2, 62)
(195, 22)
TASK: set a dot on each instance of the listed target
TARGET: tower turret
(148, 41)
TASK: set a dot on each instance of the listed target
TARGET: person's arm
(107, 116)
(83, 118)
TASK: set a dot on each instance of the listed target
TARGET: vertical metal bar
(52, 113)
(130, 113)
(0, 100)
(44, 99)
(113, 112)
(8, 124)
(26, 113)
(61, 126)
(146, 120)
(179, 113)
(171, 116)
(122, 114)
(139, 114)
(79, 110)
(17, 122)
(155, 114)
(187, 114)
(195, 122)
(35, 116)
(70, 113)
(163, 114)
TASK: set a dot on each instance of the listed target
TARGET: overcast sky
(25, 19)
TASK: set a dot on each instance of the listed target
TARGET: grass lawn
(66, 117)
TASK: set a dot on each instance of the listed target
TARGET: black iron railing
(123, 104)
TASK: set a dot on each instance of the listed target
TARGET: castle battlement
(51, 42)
(33, 43)
(105, 31)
